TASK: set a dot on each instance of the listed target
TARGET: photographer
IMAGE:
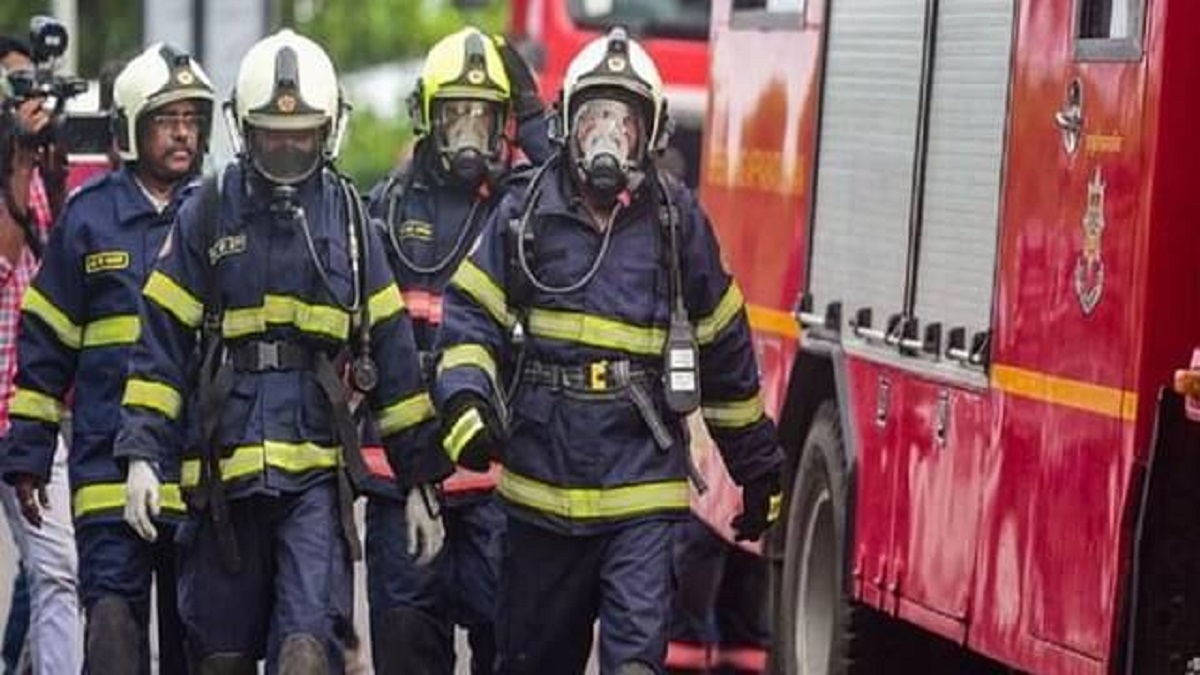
(32, 176)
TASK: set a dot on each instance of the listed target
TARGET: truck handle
(1070, 118)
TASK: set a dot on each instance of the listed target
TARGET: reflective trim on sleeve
(733, 414)
(385, 304)
(100, 497)
(248, 460)
(112, 331)
(405, 414)
(36, 304)
(156, 396)
(323, 320)
(463, 355)
(597, 331)
(592, 503)
(731, 304)
(476, 283)
(465, 427)
(34, 405)
(168, 294)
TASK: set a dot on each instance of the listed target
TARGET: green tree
(359, 34)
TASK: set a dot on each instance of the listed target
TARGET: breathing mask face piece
(466, 131)
(285, 156)
(607, 137)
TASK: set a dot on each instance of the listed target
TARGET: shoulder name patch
(225, 247)
(106, 261)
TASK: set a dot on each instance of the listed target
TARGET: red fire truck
(967, 234)
(675, 32)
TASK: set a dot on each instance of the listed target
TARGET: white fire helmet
(159, 76)
(613, 114)
(286, 86)
(616, 62)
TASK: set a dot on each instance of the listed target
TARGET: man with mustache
(80, 318)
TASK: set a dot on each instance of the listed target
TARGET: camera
(48, 41)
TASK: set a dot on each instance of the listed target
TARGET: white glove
(142, 498)
(426, 533)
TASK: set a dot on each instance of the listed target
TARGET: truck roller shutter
(870, 105)
(968, 114)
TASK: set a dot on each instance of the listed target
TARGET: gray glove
(142, 499)
(426, 533)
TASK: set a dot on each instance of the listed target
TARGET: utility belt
(597, 377)
(258, 356)
(613, 380)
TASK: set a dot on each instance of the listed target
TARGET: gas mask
(607, 145)
(285, 156)
(466, 131)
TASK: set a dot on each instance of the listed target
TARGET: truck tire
(820, 630)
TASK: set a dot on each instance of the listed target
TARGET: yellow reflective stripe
(385, 304)
(176, 299)
(69, 334)
(774, 507)
(486, 292)
(298, 457)
(251, 459)
(156, 396)
(591, 503)
(465, 427)
(709, 327)
(112, 330)
(110, 496)
(286, 310)
(405, 414)
(733, 414)
(468, 355)
(596, 331)
(35, 405)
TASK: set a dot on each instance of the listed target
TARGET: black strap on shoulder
(214, 381)
(354, 473)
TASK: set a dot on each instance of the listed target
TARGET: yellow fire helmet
(462, 65)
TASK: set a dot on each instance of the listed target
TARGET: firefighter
(273, 265)
(80, 319)
(601, 284)
(470, 91)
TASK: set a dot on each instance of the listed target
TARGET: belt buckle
(598, 372)
(268, 355)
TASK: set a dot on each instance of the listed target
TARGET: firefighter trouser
(459, 588)
(719, 614)
(553, 587)
(116, 567)
(295, 578)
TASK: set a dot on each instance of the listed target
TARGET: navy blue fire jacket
(79, 322)
(578, 461)
(275, 431)
(428, 224)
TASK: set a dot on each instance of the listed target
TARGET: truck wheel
(820, 630)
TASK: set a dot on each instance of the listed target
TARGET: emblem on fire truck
(1089, 267)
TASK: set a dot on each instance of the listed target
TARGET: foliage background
(357, 33)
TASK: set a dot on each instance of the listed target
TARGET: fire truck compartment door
(872, 91)
(968, 112)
